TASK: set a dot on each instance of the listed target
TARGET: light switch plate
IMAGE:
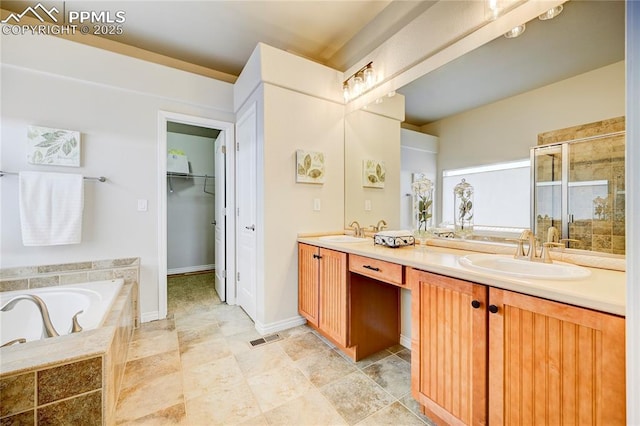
(316, 204)
(143, 205)
(367, 205)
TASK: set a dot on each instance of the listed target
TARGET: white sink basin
(342, 239)
(506, 265)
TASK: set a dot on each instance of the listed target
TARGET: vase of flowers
(463, 209)
(422, 206)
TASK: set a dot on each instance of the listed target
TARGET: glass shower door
(546, 166)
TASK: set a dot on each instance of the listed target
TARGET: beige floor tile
(295, 331)
(239, 343)
(393, 415)
(153, 328)
(309, 409)
(141, 370)
(262, 359)
(356, 397)
(197, 335)
(414, 407)
(255, 421)
(174, 415)
(392, 374)
(186, 320)
(154, 395)
(213, 376)
(325, 367)
(193, 355)
(364, 363)
(278, 386)
(405, 354)
(226, 312)
(225, 407)
(303, 345)
(231, 327)
(153, 343)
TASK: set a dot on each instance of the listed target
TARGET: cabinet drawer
(378, 269)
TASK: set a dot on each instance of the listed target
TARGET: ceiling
(221, 35)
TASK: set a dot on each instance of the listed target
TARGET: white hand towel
(51, 207)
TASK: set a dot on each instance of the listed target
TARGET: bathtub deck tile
(68, 380)
(17, 393)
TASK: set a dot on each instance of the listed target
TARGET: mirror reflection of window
(494, 213)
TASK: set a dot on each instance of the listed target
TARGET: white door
(246, 184)
(220, 217)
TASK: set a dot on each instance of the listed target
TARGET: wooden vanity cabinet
(448, 348)
(490, 355)
(552, 363)
(322, 290)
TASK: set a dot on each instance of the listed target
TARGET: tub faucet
(49, 330)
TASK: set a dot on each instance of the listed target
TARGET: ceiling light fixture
(361, 81)
(515, 32)
(551, 13)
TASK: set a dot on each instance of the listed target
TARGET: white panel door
(220, 218)
(246, 181)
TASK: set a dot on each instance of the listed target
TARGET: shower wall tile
(39, 282)
(63, 267)
(80, 277)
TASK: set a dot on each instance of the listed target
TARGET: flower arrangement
(463, 194)
(422, 204)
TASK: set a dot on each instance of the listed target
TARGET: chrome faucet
(380, 225)
(49, 330)
(359, 232)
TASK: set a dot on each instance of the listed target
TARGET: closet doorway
(193, 260)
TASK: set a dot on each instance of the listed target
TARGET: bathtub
(25, 322)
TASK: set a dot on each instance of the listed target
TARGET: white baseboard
(274, 327)
(150, 316)
(405, 341)
(188, 269)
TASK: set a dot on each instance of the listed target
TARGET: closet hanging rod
(188, 175)
(99, 179)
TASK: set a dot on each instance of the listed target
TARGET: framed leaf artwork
(309, 167)
(55, 147)
(373, 174)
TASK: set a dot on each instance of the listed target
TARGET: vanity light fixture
(551, 13)
(516, 31)
(361, 81)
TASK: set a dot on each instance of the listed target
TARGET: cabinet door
(554, 364)
(449, 347)
(333, 295)
(308, 282)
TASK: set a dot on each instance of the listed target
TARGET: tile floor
(198, 368)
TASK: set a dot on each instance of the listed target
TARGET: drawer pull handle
(475, 304)
(371, 267)
(493, 309)
(317, 256)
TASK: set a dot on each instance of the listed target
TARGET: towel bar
(99, 179)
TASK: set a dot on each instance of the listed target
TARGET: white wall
(113, 101)
(190, 211)
(505, 130)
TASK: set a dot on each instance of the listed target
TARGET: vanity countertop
(604, 290)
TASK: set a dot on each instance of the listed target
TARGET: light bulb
(369, 76)
(515, 32)
(551, 13)
(358, 85)
(346, 93)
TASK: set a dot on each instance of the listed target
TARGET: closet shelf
(187, 176)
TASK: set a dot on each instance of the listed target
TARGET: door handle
(214, 222)
(250, 228)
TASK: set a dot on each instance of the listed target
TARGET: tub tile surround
(71, 379)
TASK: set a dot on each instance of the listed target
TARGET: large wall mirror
(489, 106)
